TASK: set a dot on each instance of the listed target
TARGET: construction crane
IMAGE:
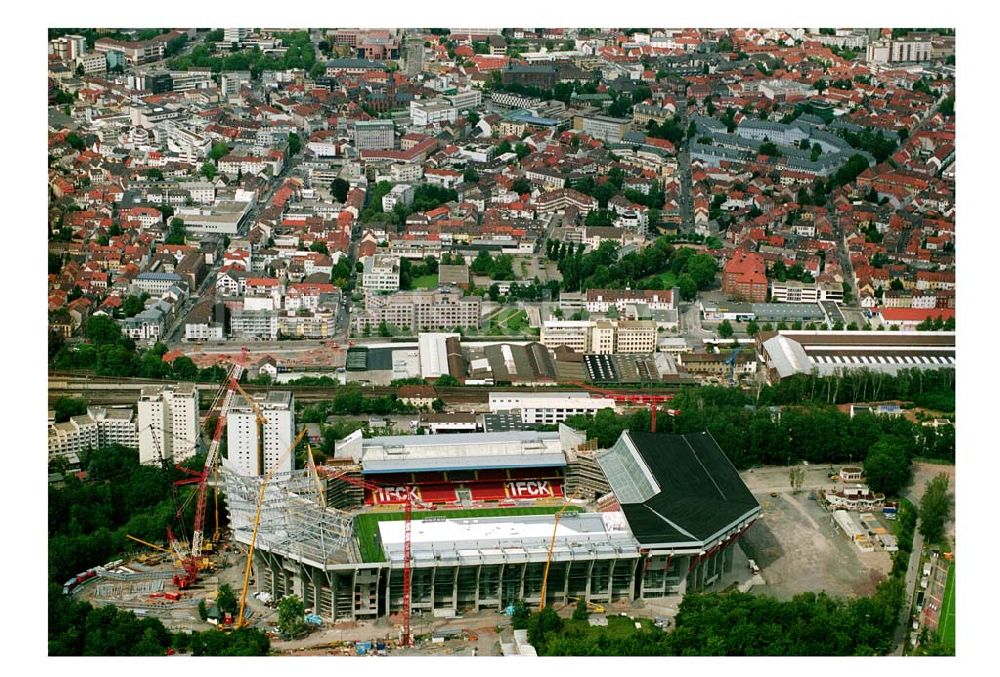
(635, 398)
(192, 561)
(407, 519)
(150, 545)
(552, 545)
(320, 494)
(256, 525)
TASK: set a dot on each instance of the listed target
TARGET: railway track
(100, 390)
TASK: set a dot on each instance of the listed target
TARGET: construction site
(440, 526)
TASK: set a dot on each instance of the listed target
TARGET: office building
(545, 408)
(420, 310)
(381, 273)
(374, 135)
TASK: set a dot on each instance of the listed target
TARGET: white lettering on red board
(396, 494)
(529, 488)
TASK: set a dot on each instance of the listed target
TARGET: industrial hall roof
(677, 490)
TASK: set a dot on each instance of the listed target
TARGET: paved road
(911, 583)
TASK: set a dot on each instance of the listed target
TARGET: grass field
(668, 279)
(946, 626)
(366, 525)
(425, 282)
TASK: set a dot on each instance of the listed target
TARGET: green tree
(177, 232)
(887, 466)
(219, 150)
(688, 287)
(580, 612)
(447, 380)
(294, 143)
(725, 329)
(65, 407)
(291, 616)
(226, 600)
(184, 369)
(154, 174)
(935, 509)
(339, 189)
(102, 330)
(752, 328)
(208, 170)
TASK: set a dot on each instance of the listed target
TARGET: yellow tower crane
(552, 545)
(256, 525)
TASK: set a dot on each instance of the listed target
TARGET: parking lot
(797, 546)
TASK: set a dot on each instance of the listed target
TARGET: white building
(601, 336)
(246, 451)
(381, 273)
(374, 135)
(400, 194)
(69, 439)
(115, 425)
(168, 423)
(424, 113)
(545, 408)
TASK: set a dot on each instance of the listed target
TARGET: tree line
(732, 624)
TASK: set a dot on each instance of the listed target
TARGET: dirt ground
(799, 550)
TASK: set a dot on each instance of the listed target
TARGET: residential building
(115, 425)
(401, 193)
(248, 453)
(254, 324)
(168, 423)
(68, 440)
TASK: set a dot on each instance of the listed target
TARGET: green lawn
(366, 524)
(667, 278)
(425, 282)
(946, 626)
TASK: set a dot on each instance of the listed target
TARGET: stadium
(654, 516)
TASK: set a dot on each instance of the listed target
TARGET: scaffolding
(293, 523)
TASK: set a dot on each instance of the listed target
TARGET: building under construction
(667, 510)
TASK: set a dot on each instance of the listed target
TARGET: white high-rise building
(234, 36)
(168, 423)
(244, 454)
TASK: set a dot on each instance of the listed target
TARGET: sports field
(366, 524)
(946, 624)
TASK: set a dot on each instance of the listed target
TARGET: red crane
(635, 398)
(192, 560)
(411, 498)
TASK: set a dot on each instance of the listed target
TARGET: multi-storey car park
(671, 507)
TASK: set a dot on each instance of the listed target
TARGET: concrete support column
(475, 604)
(500, 570)
(590, 574)
(454, 589)
(611, 580)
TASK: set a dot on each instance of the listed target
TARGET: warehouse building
(826, 352)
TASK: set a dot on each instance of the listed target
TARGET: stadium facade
(663, 515)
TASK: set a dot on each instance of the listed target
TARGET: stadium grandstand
(653, 516)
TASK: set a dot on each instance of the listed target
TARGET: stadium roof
(510, 538)
(676, 490)
(456, 451)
